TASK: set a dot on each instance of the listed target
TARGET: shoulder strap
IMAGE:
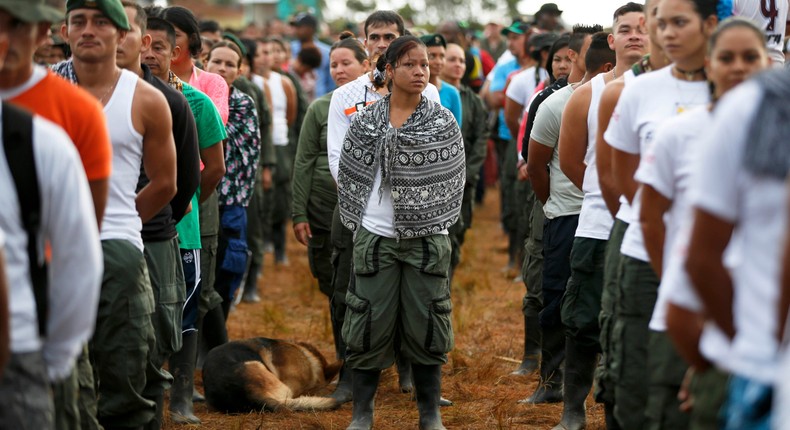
(18, 146)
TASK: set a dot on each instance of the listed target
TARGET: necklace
(689, 75)
(110, 88)
(614, 74)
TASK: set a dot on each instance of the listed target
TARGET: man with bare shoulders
(140, 124)
(577, 161)
(654, 60)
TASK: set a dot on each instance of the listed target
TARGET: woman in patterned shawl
(400, 186)
(242, 149)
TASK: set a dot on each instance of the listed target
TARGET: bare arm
(685, 329)
(624, 167)
(99, 190)
(537, 169)
(573, 135)
(603, 152)
(213, 159)
(654, 206)
(705, 266)
(159, 150)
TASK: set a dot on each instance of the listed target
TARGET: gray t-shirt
(564, 198)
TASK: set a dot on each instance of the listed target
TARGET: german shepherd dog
(270, 374)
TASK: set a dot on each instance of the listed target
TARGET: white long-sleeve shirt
(68, 225)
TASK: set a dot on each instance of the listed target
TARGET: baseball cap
(434, 40)
(518, 27)
(304, 18)
(31, 11)
(112, 9)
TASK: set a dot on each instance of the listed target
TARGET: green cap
(112, 9)
(236, 41)
(518, 27)
(434, 40)
(31, 11)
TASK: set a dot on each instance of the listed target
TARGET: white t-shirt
(346, 102)
(667, 168)
(624, 213)
(68, 224)
(564, 198)
(522, 85)
(772, 25)
(648, 101)
(757, 206)
(595, 221)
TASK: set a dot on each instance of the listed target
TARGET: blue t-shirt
(451, 99)
(323, 82)
(501, 72)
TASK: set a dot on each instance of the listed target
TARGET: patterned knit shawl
(768, 150)
(422, 162)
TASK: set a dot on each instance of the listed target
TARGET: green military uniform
(581, 303)
(532, 268)
(666, 372)
(475, 135)
(401, 287)
(209, 231)
(709, 391)
(605, 375)
(314, 191)
(124, 337)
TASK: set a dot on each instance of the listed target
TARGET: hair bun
(345, 35)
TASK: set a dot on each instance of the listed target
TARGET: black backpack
(18, 146)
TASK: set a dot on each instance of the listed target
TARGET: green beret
(112, 9)
(434, 40)
(236, 41)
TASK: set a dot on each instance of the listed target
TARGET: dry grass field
(489, 339)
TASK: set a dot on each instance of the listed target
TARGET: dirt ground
(489, 341)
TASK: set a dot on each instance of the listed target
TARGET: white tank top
(595, 222)
(121, 220)
(624, 214)
(279, 106)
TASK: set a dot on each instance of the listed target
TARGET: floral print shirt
(242, 150)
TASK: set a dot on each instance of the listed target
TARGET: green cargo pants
(636, 298)
(319, 255)
(667, 370)
(709, 391)
(400, 301)
(209, 241)
(605, 376)
(532, 268)
(124, 337)
(581, 303)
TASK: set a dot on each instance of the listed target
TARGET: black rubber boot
(213, 333)
(580, 365)
(196, 396)
(182, 364)
(552, 354)
(156, 421)
(250, 294)
(344, 390)
(365, 384)
(405, 381)
(532, 335)
(428, 387)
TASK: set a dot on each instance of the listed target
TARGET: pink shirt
(215, 87)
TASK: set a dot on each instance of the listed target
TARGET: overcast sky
(574, 11)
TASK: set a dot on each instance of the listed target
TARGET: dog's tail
(305, 403)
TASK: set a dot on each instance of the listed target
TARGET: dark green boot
(580, 365)
(428, 387)
(365, 383)
(182, 364)
(551, 357)
(531, 360)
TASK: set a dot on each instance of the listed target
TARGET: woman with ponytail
(646, 102)
(400, 184)
(736, 51)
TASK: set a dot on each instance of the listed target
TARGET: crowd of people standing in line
(641, 177)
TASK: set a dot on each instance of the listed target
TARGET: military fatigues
(606, 375)
(581, 303)
(473, 130)
(25, 393)
(76, 405)
(666, 372)
(314, 191)
(342, 252)
(709, 391)
(400, 301)
(124, 337)
(209, 230)
(532, 268)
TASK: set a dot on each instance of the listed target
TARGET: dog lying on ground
(270, 374)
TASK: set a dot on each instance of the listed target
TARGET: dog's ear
(331, 370)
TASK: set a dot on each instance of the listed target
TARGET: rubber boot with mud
(580, 365)
(365, 383)
(405, 382)
(157, 421)
(532, 335)
(250, 294)
(428, 386)
(343, 391)
(182, 364)
(551, 357)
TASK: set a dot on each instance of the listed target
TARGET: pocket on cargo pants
(439, 338)
(357, 323)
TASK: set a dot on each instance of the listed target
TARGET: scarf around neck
(422, 162)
